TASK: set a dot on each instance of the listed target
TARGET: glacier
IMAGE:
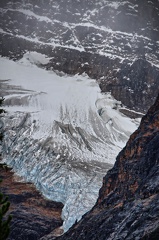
(60, 132)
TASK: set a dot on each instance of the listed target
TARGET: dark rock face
(128, 203)
(133, 84)
(113, 42)
(33, 216)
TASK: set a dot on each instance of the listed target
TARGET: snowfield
(61, 133)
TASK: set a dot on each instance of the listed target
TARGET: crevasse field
(61, 133)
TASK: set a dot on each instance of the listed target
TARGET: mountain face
(64, 126)
(115, 42)
(127, 206)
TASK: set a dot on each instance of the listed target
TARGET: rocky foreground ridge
(128, 203)
(33, 215)
(114, 42)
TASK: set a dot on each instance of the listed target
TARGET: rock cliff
(128, 203)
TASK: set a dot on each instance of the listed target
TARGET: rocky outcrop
(33, 215)
(127, 207)
(113, 42)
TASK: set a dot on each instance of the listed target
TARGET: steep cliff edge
(128, 203)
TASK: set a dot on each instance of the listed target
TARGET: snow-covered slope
(61, 133)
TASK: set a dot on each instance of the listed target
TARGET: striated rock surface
(128, 203)
(115, 42)
(33, 216)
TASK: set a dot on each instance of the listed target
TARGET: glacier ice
(61, 133)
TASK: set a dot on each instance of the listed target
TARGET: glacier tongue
(61, 133)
